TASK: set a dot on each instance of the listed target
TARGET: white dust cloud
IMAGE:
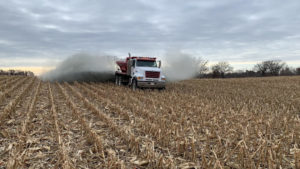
(177, 65)
(83, 67)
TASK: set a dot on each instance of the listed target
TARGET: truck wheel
(133, 85)
(119, 80)
(161, 89)
(116, 80)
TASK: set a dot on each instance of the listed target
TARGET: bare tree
(203, 67)
(287, 71)
(221, 68)
(298, 71)
(269, 67)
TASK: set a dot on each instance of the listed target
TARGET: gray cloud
(232, 30)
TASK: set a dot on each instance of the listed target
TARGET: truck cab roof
(142, 58)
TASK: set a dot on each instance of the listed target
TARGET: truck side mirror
(159, 63)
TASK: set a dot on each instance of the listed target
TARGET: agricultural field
(198, 123)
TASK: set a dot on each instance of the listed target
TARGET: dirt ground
(198, 123)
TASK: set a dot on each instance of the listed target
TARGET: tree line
(261, 69)
(16, 72)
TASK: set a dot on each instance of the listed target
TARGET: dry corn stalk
(132, 140)
(92, 134)
(243, 123)
(297, 158)
(66, 163)
(13, 88)
(12, 104)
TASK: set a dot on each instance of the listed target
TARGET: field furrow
(64, 160)
(8, 82)
(11, 105)
(93, 147)
(140, 121)
(197, 123)
(216, 127)
(16, 160)
(4, 77)
(41, 145)
(142, 150)
(12, 119)
(12, 91)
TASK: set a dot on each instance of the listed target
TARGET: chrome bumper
(151, 84)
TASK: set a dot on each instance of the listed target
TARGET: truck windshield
(143, 63)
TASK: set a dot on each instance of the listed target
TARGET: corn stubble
(207, 123)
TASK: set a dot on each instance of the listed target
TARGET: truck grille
(151, 74)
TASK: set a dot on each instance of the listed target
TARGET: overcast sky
(43, 32)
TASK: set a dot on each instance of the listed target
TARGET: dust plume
(177, 65)
(83, 67)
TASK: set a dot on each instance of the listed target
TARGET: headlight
(163, 78)
(140, 77)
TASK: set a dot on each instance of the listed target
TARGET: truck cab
(140, 72)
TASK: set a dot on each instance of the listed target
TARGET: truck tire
(118, 80)
(133, 85)
(161, 89)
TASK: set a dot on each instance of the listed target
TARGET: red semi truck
(140, 72)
